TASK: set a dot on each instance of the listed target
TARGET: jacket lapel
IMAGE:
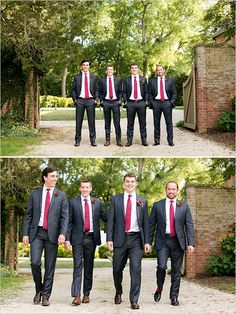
(80, 206)
(122, 205)
(177, 210)
(39, 202)
(163, 209)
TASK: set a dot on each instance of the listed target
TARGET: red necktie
(172, 220)
(128, 214)
(86, 89)
(135, 88)
(162, 90)
(46, 207)
(86, 216)
(110, 89)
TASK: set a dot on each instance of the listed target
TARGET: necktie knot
(48, 190)
(85, 200)
(129, 196)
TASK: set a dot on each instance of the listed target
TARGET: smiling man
(84, 234)
(171, 220)
(45, 226)
(128, 236)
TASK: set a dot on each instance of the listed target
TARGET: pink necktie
(86, 216)
(172, 220)
(86, 89)
(110, 89)
(46, 207)
(128, 214)
(135, 88)
(162, 90)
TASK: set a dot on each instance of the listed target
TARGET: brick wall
(215, 84)
(213, 210)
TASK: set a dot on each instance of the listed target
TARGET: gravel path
(193, 298)
(60, 141)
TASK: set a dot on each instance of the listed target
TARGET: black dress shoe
(119, 143)
(144, 143)
(77, 143)
(107, 143)
(157, 295)
(118, 299)
(93, 144)
(134, 306)
(128, 144)
(174, 301)
(37, 297)
(45, 301)
(171, 144)
(156, 143)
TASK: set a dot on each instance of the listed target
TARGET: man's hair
(130, 175)
(110, 66)
(160, 65)
(46, 171)
(85, 60)
(86, 180)
(133, 64)
(174, 183)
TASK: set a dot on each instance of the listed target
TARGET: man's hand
(146, 248)
(25, 240)
(67, 245)
(61, 239)
(110, 245)
(190, 249)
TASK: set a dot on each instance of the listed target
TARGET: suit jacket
(93, 86)
(76, 220)
(128, 88)
(58, 215)
(183, 224)
(116, 220)
(103, 88)
(169, 87)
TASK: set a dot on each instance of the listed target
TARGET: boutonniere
(93, 200)
(179, 203)
(141, 81)
(140, 203)
(56, 194)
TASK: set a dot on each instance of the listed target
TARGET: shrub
(23, 250)
(8, 273)
(180, 124)
(62, 252)
(103, 251)
(227, 119)
(54, 101)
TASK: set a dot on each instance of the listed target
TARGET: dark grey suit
(82, 104)
(127, 245)
(45, 239)
(167, 246)
(165, 106)
(84, 244)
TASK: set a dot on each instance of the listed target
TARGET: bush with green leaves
(23, 250)
(55, 102)
(227, 119)
(224, 264)
(103, 251)
(62, 252)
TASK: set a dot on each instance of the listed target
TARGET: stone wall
(213, 210)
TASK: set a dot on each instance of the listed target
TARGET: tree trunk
(37, 109)
(144, 31)
(140, 168)
(10, 249)
(63, 83)
(30, 101)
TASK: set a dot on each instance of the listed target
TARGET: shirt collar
(137, 76)
(87, 198)
(168, 200)
(45, 188)
(126, 194)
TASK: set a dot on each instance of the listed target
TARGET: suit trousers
(108, 108)
(165, 107)
(83, 255)
(89, 106)
(172, 249)
(140, 108)
(40, 243)
(133, 249)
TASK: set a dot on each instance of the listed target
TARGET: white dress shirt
(90, 210)
(43, 203)
(134, 220)
(113, 88)
(82, 93)
(138, 86)
(158, 96)
(168, 213)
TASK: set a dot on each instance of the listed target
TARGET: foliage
(18, 130)
(180, 124)
(227, 119)
(62, 252)
(7, 273)
(23, 250)
(224, 264)
(151, 255)
(54, 101)
(103, 251)
(221, 167)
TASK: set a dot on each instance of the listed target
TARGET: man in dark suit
(110, 94)
(85, 94)
(128, 235)
(172, 220)
(45, 225)
(135, 98)
(84, 234)
(162, 96)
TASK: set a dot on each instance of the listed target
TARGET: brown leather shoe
(37, 297)
(119, 144)
(107, 143)
(45, 301)
(85, 299)
(134, 306)
(128, 144)
(118, 299)
(93, 144)
(76, 301)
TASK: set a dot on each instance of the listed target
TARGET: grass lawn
(68, 114)
(16, 146)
